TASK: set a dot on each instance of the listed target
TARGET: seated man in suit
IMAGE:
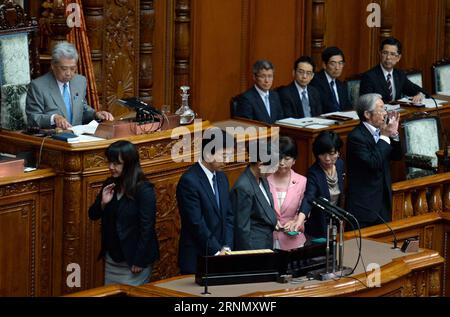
(58, 98)
(299, 100)
(260, 103)
(383, 79)
(333, 92)
(204, 203)
(253, 207)
(370, 148)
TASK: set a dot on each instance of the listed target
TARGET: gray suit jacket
(44, 99)
(255, 218)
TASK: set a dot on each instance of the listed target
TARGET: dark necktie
(333, 94)
(389, 84)
(216, 190)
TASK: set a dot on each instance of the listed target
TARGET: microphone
(389, 227)
(316, 202)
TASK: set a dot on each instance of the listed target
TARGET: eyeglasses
(301, 72)
(264, 77)
(334, 63)
(63, 68)
(379, 111)
(391, 54)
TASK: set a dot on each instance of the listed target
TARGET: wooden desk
(398, 271)
(305, 138)
(26, 233)
(80, 170)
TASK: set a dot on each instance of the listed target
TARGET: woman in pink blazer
(287, 188)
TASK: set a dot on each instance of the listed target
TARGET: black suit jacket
(292, 104)
(251, 106)
(255, 218)
(317, 186)
(369, 176)
(202, 222)
(373, 81)
(320, 81)
(135, 222)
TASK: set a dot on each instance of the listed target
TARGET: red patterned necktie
(389, 87)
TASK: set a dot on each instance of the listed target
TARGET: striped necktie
(389, 84)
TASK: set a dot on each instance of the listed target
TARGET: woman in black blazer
(127, 206)
(325, 178)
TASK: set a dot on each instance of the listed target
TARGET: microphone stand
(205, 291)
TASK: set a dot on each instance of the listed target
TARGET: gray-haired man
(58, 98)
(370, 148)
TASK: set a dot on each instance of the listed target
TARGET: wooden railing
(420, 196)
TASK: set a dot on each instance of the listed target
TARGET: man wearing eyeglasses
(387, 81)
(259, 102)
(333, 92)
(371, 147)
(58, 98)
(299, 99)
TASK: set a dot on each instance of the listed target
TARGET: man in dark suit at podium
(204, 203)
(333, 92)
(370, 148)
(259, 102)
(299, 99)
(383, 79)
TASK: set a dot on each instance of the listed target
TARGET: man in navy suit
(370, 148)
(333, 92)
(383, 79)
(204, 203)
(299, 100)
(259, 102)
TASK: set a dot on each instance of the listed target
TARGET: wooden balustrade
(420, 196)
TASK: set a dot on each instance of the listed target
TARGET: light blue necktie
(66, 97)
(267, 103)
(376, 136)
(216, 190)
(305, 104)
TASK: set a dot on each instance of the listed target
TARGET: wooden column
(147, 22)
(447, 30)
(93, 12)
(318, 30)
(182, 49)
(387, 19)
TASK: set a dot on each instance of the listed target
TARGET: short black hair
(326, 142)
(304, 59)
(211, 134)
(262, 64)
(288, 147)
(391, 41)
(330, 52)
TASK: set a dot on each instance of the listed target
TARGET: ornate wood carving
(318, 30)
(45, 252)
(120, 42)
(182, 48)
(147, 24)
(18, 188)
(93, 12)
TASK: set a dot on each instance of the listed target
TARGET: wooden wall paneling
(147, 23)
(182, 49)
(219, 62)
(121, 53)
(93, 12)
(346, 28)
(418, 26)
(273, 36)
